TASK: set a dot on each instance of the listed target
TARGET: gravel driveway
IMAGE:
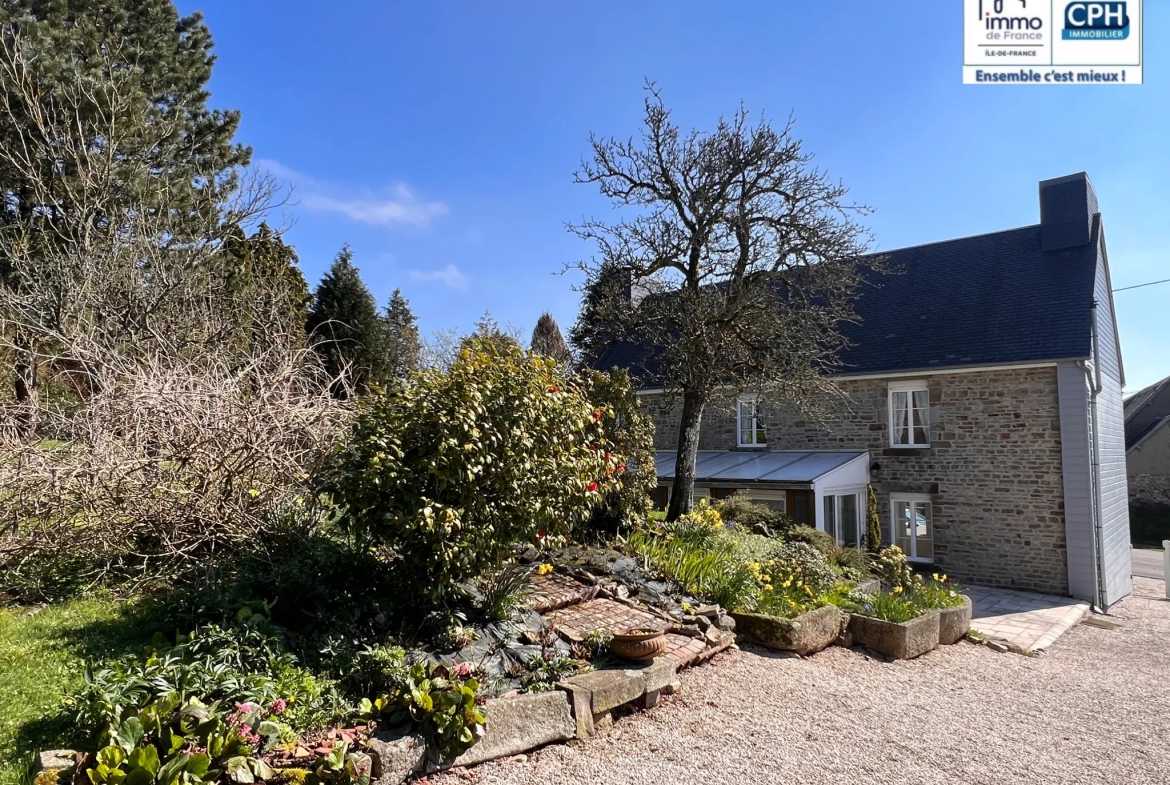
(1094, 708)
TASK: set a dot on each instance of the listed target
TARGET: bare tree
(115, 216)
(742, 258)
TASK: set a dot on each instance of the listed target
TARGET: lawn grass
(1149, 526)
(42, 656)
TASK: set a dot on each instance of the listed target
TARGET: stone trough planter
(954, 623)
(805, 634)
(903, 641)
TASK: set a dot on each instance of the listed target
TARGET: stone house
(1147, 444)
(981, 400)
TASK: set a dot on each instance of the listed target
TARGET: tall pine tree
(104, 127)
(403, 346)
(548, 341)
(346, 329)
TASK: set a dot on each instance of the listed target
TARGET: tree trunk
(26, 386)
(688, 450)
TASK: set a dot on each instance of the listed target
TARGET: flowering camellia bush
(451, 468)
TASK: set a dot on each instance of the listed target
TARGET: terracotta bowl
(638, 646)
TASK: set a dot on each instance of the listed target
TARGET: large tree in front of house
(743, 256)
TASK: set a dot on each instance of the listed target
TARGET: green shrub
(742, 513)
(891, 567)
(849, 562)
(450, 469)
(822, 541)
(631, 432)
(803, 563)
(873, 523)
(702, 563)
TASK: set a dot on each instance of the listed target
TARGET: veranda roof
(781, 467)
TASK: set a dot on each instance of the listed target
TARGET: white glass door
(913, 526)
(842, 518)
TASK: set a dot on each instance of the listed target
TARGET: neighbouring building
(981, 401)
(1147, 444)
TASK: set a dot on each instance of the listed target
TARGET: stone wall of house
(993, 469)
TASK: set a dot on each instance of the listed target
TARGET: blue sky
(439, 139)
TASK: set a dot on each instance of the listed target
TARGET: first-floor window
(842, 518)
(909, 414)
(751, 427)
(913, 526)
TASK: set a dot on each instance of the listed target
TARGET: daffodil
(897, 590)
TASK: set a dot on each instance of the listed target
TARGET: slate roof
(987, 300)
(1146, 411)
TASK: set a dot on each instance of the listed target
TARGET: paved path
(1148, 563)
(1031, 621)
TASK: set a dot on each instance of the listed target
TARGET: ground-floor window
(660, 497)
(913, 525)
(842, 517)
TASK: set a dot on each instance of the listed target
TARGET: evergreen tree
(548, 341)
(490, 334)
(590, 334)
(267, 288)
(403, 345)
(345, 328)
(125, 79)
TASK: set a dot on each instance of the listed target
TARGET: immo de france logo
(1095, 22)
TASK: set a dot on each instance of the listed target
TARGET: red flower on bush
(596, 415)
(554, 389)
(540, 535)
(593, 487)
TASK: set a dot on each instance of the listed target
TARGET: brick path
(553, 591)
(602, 615)
(1031, 621)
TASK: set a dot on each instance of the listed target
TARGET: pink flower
(279, 706)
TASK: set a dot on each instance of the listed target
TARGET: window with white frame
(750, 426)
(909, 414)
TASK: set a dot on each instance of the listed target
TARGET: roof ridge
(953, 240)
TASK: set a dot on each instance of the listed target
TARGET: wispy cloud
(394, 206)
(449, 276)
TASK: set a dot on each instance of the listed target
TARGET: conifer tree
(346, 330)
(403, 345)
(548, 341)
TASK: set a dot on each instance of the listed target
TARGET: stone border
(580, 707)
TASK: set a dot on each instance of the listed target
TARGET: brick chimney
(1067, 207)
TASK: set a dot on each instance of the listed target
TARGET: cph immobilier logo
(1052, 42)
